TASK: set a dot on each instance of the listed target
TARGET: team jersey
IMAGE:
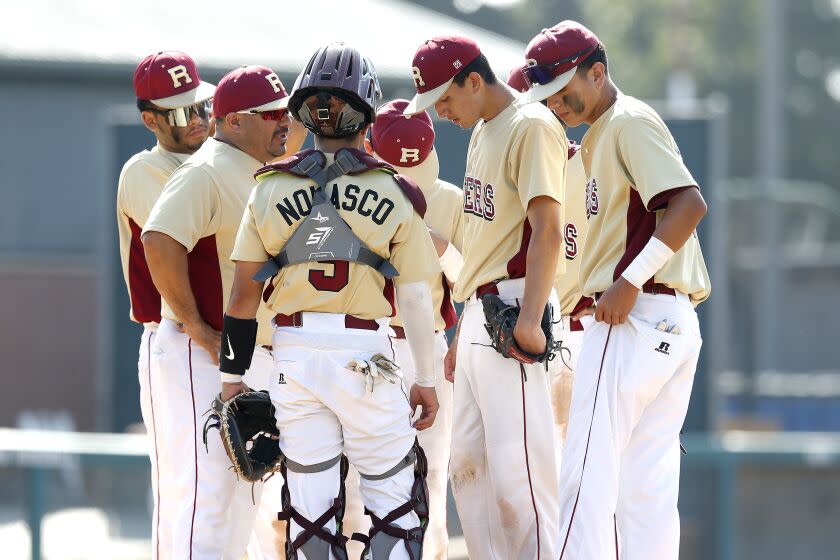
(568, 283)
(141, 181)
(511, 159)
(201, 208)
(377, 211)
(634, 167)
(445, 217)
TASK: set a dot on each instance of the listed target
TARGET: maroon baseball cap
(170, 79)
(553, 57)
(249, 89)
(435, 64)
(404, 141)
(516, 79)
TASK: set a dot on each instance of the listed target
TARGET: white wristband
(647, 263)
(451, 261)
(230, 377)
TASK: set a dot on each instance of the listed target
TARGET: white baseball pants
(503, 464)
(621, 463)
(202, 507)
(323, 410)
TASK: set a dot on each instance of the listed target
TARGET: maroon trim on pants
(527, 461)
(154, 439)
(615, 534)
(195, 448)
(588, 438)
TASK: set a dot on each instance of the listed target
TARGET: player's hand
(616, 303)
(584, 312)
(426, 398)
(205, 336)
(229, 390)
(530, 338)
(449, 361)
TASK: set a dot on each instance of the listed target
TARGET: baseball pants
(202, 506)
(434, 441)
(562, 383)
(621, 463)
(323, 410)
(503, 465)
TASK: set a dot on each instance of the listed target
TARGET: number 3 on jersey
(334, 282)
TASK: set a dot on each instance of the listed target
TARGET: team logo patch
(418, 79)
(663, 348)
(457, 64)
(413, 153)
(570, 235)
(178, 73)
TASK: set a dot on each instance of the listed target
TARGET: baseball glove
(501, 319)
(249, 433)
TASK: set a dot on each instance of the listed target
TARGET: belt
(350, 321)
(399, 332)
(655, 289)
(488, 288)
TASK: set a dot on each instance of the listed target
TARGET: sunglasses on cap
(273, 115)
(542, 74)
(183, 115)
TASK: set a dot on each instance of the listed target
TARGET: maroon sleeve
(660, 201)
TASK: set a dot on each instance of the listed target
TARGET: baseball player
(408, 145)
(188, 239)
(174, 104)
(503, 467)
(337, 232)
(643, 265)
(568, 284)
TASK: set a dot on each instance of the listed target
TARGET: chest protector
(324, 235)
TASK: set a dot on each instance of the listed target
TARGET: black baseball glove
(501, 319)
(249, 433)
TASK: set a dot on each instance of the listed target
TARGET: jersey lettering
(297, 206)
(275, 82)
(177, 73)
(418, 79)
(478, 199)
(570, 235)
(591, 198)
(413, 153)
(335, 282)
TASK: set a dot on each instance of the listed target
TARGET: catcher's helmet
(337, 93)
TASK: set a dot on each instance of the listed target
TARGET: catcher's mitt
(500, 321)
(249, 433)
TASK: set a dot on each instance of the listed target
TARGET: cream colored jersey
(141, 181)
(444, 215)
(201, 208)
(634, 167)
(568, 283)
(510, 160)
(377, 211)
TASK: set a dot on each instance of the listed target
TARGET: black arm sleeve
(239, 336)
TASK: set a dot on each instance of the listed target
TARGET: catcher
(338, 233)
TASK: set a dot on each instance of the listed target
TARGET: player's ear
(149, 121)
(233, 121)
(599, 74)
(475, 80)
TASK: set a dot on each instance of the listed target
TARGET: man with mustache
(174, 105)
(188, 240)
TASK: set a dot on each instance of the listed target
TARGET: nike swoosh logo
(230, 354)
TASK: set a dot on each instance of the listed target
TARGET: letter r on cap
(178, 72)
(418, 79)
(275, 82)
(413, 153)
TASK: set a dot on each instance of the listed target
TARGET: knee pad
(319, 547)
(384, 535)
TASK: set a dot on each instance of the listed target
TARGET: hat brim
(282, 103)
(423, 101)
(203, 92)
(541, 92)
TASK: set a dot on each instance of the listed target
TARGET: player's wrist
(230, 378)
(647, 263)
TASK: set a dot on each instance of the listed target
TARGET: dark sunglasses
(183, 115)
(542, 74)
(274, 115)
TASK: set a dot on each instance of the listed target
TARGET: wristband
(239, 336)
(647, 263)
(451, 261)
(230, 378)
